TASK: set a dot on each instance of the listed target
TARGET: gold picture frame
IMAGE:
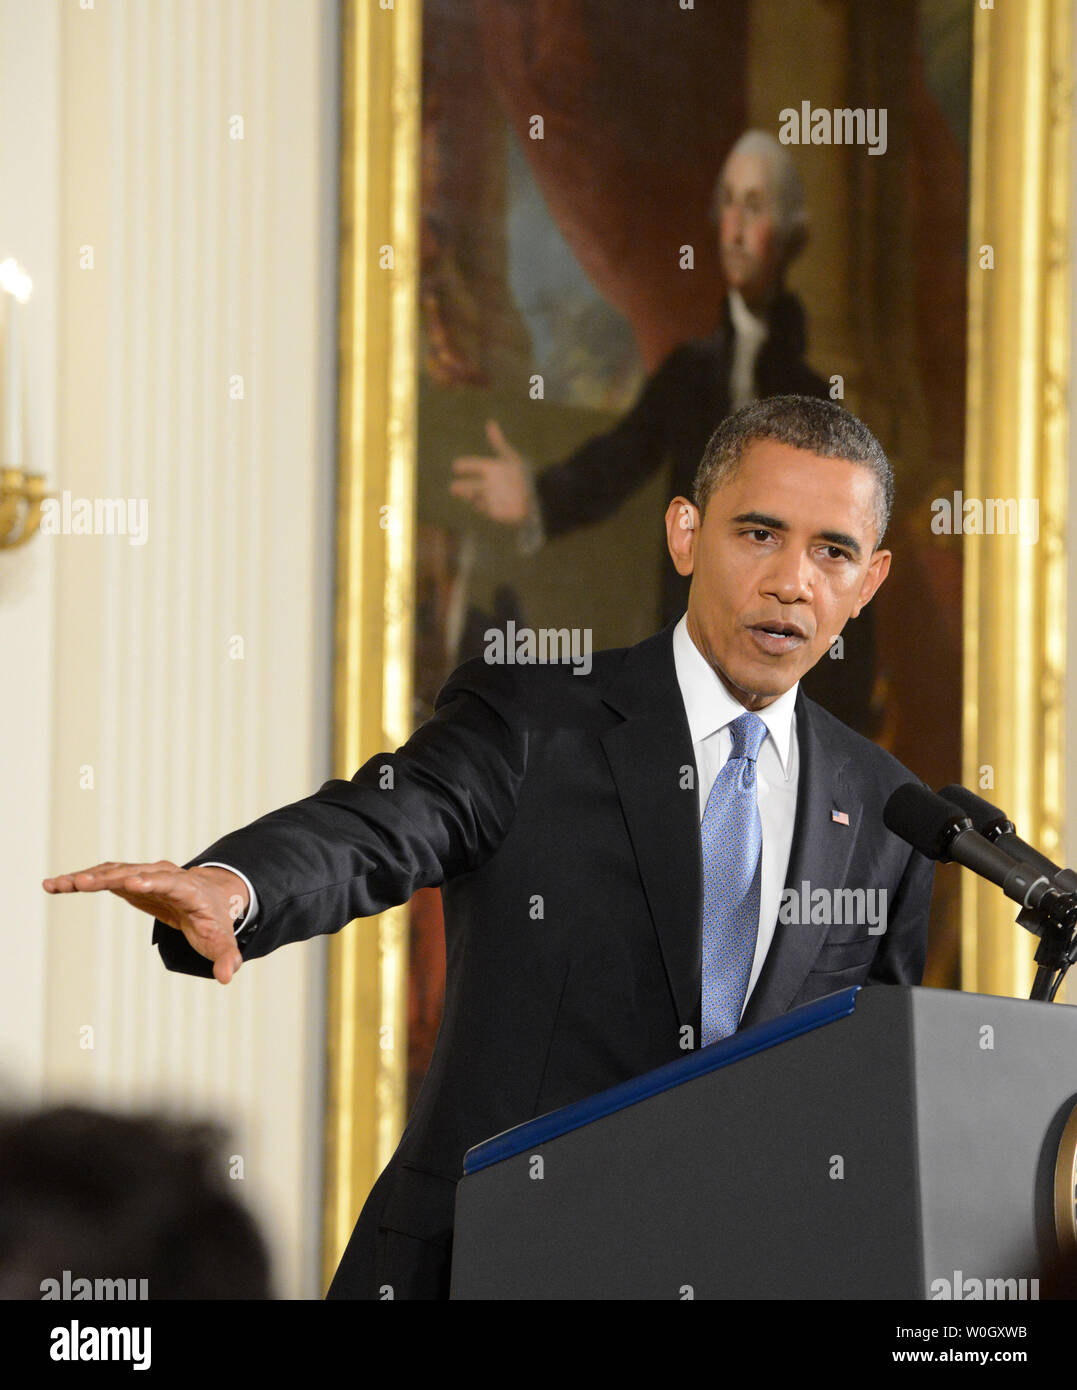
(378, 329)
(1017, 427)
(1017, 438)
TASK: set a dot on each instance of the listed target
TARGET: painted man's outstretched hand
(497, 485)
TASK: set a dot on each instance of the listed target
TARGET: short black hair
(116, 1197)
(804, 422)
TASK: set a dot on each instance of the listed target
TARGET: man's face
(749, 243)
(780, 562)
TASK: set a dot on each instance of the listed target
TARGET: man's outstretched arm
(438, 806)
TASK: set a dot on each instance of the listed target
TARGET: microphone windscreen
(983, 815)
(921, 819)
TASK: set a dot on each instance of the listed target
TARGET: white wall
(213, 258)
(29, 209)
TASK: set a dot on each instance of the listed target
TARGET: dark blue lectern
(879, 1143)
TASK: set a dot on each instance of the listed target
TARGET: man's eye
(759, 533)
(835, 552)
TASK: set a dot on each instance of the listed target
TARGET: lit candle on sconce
(21, 495)
(16, 285)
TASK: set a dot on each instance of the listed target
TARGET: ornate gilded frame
(378, 332)
(1017, 441)
(1017, 445)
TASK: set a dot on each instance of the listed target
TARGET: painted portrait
(632, 221)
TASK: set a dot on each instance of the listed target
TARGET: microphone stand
(1058, 945)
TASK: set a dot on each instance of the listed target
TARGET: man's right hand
(203, 903)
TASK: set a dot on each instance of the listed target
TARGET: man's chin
(755, 682)
(736, 277)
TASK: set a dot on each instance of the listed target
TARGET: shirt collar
(746, 324)
(709, 705)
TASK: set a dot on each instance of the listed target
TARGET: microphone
(941, 830)
(997, 827)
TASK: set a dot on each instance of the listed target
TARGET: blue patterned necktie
(732, 838)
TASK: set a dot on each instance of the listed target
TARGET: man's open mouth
(778, 637)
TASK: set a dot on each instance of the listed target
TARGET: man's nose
(789, 578)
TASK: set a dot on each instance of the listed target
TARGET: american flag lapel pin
(840, 817)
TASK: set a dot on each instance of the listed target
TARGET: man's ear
(682, 527)
(878, 569)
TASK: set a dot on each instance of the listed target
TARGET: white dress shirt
(749, 335)
(247, 920)
(711, 709)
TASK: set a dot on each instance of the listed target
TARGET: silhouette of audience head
(109, 1197)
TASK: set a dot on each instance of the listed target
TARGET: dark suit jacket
(555, 810)
(677, 412)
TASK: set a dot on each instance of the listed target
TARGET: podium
(884, 1142)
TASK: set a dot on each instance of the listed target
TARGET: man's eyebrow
(773, 523)
(840, 538)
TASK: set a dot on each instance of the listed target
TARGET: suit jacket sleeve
(593, 482)
(902, 951)
(435, 808)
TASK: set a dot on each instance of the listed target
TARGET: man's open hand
(203, 903)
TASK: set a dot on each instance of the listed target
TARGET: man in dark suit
(623, 849)
(757, 350)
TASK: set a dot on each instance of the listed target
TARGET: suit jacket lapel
(819, 856)
(650, 756)
(649, 753)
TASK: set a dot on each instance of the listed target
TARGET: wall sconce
(21, 493)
